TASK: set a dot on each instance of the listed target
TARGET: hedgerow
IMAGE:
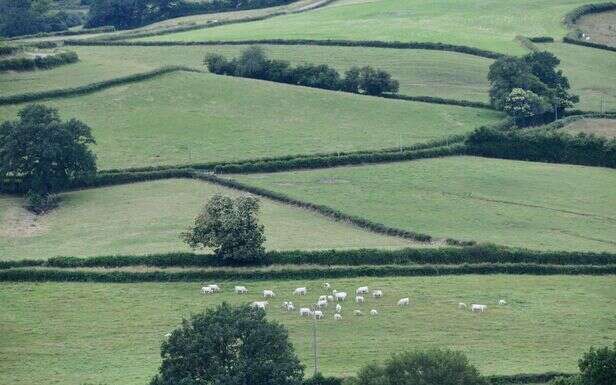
(437, 100)
(527, 43)
(6, 50)
(541, 39)
(326, 42)
(587, 9)
(575, 41)
(84, 31)
(526, 378)
(38, 62)
(67, 275)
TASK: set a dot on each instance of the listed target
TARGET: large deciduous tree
(229, 346)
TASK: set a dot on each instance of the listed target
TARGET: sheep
(207, 290)
(321, 304)
(357, 313)
(340, 296)
(300, 291)
(359, 299)
(338, 308)
(322, 298)
(374, 312)
(167, 335)
(330, 298)
(268, 294)
(502, 302)
(462, 305)
(326, 285)
(259, 304)
(241, 290)
(337, 317)
(377, 294)
(290, 306)
(404, 301)
(304, 312)
(214, 288)
(478, 307)
(362, 290)
(287, 305)
(318, 314)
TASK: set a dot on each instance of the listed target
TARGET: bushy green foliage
(319, 379)
(45, 152)
(23, 17)
(229, 345)
(231, 228)
(598, 366)
(432, 367)
(524, 106)
(587, 9)
(38, 62)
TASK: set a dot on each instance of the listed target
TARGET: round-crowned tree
(229, 346)
(598, 366)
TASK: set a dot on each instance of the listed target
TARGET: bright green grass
(486, 24)
(420, 72)
(149, 217)
(523, 204)
(76, 333)
(192, 117)
(590, 72)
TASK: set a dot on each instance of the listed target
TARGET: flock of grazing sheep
(316, 310)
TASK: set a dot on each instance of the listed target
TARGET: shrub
(318, 379)
(598, 366)
(40, 62)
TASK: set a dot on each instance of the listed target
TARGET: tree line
(26, 17)
(253, 63)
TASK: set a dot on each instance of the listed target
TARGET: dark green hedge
(6, 50)
(527, 43)
(89, 88)
(437, 100)
(84, 31)
(526, 378)
(571, 40)
(441, 256)
(35, 275)
(38, 62)
(573, 16)
(327, 42)
(541, 39)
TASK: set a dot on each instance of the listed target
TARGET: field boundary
(310, 42)
(574, 37)
(23, 64)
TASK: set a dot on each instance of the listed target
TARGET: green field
(590, 72)
(185, 118)
(522, 204)
(486, 24)
(77, 333)
(420, 72)
(599, 127)
(148, 218)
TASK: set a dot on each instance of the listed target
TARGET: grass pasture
(513, 203)
(599, 127)
(77, 333)
(485, 24)
(183, 118)
(148, 217)
(420, 72)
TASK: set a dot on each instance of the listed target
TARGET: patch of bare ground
(18, 222)
(599, 127)
(599, 27)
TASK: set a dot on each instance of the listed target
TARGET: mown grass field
(590, 72)
(523, 204)
(420, 72)
(183, 118)
(149, 217)
(484, 24)
(77, 333)
(599, 127)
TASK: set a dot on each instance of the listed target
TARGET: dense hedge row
(587, 9)
(527, 43)
(327, 42)
(583, 43)
(35, 275)
(543, 146)
(441, 256)
(89, 88)
(437, 100)
(6, 50)
(541, 39)
(38, 62)
(526, 378)
(84, 31)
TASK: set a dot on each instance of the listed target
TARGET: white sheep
(167, 335)
(377, 294)
(359, 299)
(268, 294)
(502, 302)
(478, 307)
(207, 290)
(330, 298)
(215, 288)
(404, 301)
(362, 290)
(340, 296)
(287, 305)
(357, 312)
(337, 317)
(322, 298)
(241, 290)
(326, 285)
(304, 312)
(318, 314)
(321, 304)
(374, 312)
(300, 291)
(290, 306)
(259, 304)
(462, 305)
(338, 308)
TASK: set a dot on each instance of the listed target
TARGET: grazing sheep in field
(287, 305)
(241, 290)
(374, 312)
(338, 308)
(340, 296)
(404, 301)
(300, 291)
(326, 285)
(377, 294)
(357, 312)
(462, 305)
(478, 307)
(321, 304)
(268, 294)
(304, 312)
(322, 298)
(207, 290)
(318, 314)
(214, 288)
(290, 306)
(502, 302)
(259, 304)
(359, 299)
(337, 317)
(362, 290)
